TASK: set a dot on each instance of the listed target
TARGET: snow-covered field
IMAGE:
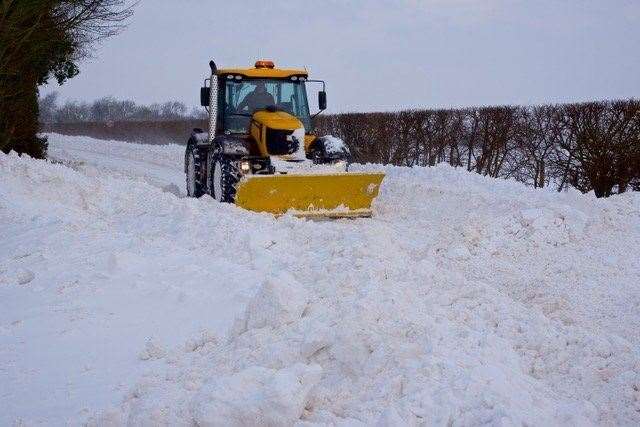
(464, 301)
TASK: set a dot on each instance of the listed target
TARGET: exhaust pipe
(213, 102)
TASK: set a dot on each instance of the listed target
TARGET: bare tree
(48, 106)
(604, 142)
(592, 146)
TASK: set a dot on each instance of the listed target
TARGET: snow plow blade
(341, 195)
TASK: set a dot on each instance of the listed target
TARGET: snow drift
(464, 301)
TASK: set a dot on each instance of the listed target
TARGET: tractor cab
(241, 98)
(244, 91)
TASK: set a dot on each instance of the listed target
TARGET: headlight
(245, 166)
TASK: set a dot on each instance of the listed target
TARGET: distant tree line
(591, 146)
(109, 109)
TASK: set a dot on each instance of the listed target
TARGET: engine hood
(279, 120)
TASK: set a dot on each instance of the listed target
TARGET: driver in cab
(257, 99)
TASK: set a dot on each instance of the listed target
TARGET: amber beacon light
(264, 64)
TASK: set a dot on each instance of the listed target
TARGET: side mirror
(322, 100)
(205, 94)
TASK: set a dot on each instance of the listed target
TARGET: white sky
(379, 55)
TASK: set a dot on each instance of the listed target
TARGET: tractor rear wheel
(193, 169)
(223, 175)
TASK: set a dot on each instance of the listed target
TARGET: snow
(201, 137)
(465, 300)
(256, 396)
(303, 167)
(334, 145)
(298, 135)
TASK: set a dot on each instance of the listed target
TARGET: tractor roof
(264, 69)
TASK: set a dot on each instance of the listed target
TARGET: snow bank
(256, 396)
(465, 300)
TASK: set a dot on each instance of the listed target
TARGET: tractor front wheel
(223, 178)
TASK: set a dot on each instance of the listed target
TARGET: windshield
(243, 97)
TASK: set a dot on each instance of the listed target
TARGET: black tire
(193, 171)
(223, 177)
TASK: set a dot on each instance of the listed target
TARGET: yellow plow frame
(339, 195)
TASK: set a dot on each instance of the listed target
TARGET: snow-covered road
(465, 300)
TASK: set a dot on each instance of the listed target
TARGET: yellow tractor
(260, 152)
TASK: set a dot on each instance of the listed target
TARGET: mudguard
(231, 146)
